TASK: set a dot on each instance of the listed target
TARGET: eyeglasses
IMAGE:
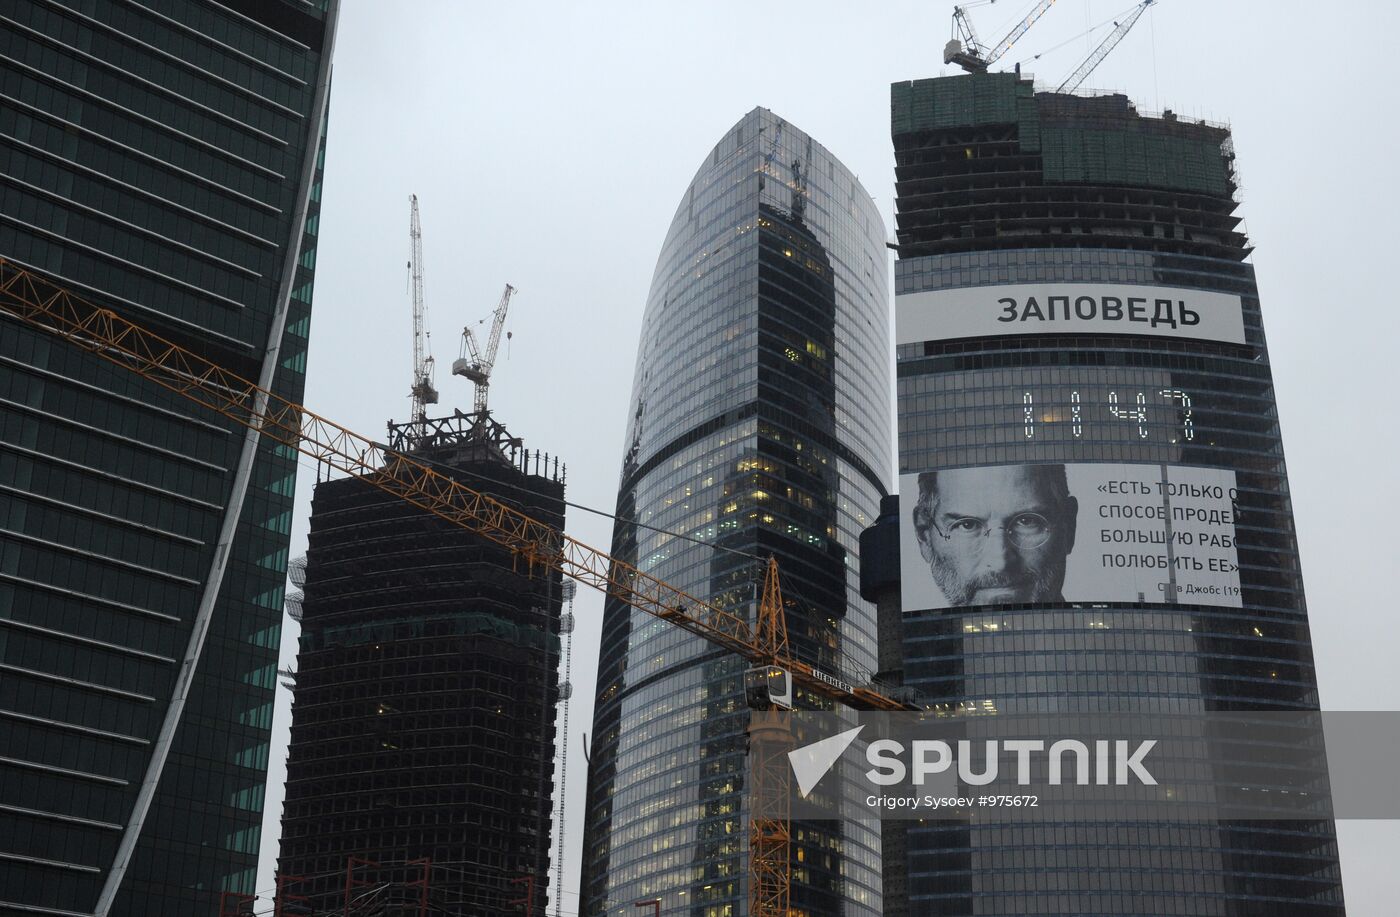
(1024, 530)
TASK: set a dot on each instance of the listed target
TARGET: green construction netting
(1121, 157)
(965, 101)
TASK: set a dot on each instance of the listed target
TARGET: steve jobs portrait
(996, 535)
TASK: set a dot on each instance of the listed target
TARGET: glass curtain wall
(760, 424)
(1000, 185)
(163, 159)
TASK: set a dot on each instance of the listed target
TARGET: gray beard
(1035, 585)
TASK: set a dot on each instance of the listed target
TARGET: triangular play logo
(811, 762)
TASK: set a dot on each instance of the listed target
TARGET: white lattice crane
(1107, 45)
(423, 393)
(968, 52)
(474, 363)
(761, 639)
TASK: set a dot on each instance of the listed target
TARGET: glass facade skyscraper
(163, 159)
(759, 426)
(1121, 340)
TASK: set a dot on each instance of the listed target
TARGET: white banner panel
(1068, 308)
(1083, 532)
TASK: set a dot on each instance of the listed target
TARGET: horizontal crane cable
(1112, 20)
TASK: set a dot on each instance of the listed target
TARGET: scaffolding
(984, 163)
(427, 681)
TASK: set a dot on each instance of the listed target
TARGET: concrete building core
(422, 745)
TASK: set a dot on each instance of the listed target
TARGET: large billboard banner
(1068, 308)
(1080, 532)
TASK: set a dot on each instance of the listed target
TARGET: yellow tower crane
(769, 683)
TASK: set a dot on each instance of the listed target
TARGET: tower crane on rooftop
(422, 392)
(758, 635)
(1108, 44)
(475, 363)
(967, 51)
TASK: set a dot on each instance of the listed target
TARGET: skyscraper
(423, 727)
(1093, 500)
(759, 426)
(162, 159)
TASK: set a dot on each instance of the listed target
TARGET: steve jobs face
(993, 536)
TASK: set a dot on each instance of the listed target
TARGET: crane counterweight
(967, 51)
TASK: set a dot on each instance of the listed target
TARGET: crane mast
(769, 683)
(422, 392)
(475, 363)
(968, 53)
(965, 33)
(1107, 45)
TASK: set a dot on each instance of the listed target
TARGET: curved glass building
(164, 160)
(760, 426)
(1075, 309)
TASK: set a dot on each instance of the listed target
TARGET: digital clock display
(1063, 413)
(1079, 411)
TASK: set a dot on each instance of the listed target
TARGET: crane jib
(42, 304)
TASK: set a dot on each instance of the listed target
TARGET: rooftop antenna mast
(475, 363)
(1107, 45)
(423, 393)
(969, 53)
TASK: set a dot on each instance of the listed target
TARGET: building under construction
(419, 777)
(1002, 192)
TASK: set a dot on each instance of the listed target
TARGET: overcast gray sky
(550, 142)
